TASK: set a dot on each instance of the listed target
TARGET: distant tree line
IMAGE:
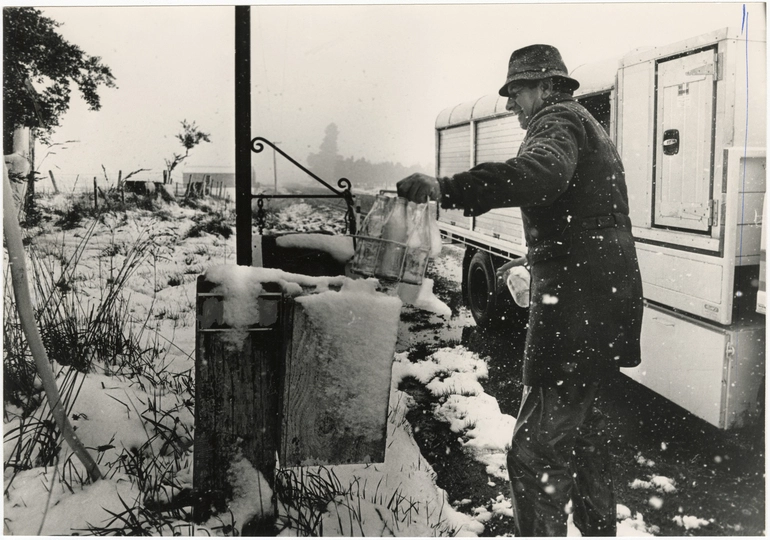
(331, 166)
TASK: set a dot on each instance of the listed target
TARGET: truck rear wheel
(481, 289)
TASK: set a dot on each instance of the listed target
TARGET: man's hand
(418, 188)
(521, 261)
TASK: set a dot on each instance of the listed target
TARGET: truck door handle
(671, 142)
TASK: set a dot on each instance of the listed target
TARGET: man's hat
(536, 62)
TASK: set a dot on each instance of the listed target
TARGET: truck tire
(481, 289)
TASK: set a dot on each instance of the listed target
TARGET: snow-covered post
(237, 382)
(287, 364)
(338, 363)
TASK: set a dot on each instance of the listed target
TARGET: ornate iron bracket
(258, 145)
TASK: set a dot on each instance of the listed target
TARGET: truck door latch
(671, 142)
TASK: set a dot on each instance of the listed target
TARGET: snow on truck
(689, 121)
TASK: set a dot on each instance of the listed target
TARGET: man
(586, 297)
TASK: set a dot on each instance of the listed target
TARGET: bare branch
(132, 173)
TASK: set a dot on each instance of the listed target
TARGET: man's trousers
(559, 454)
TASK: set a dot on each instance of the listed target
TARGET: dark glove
(419, 188)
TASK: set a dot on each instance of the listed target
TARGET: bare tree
(190, 137)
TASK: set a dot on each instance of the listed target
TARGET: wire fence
(82, 183)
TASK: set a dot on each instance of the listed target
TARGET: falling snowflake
(655, 502)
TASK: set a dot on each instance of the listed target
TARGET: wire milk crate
(395, 241)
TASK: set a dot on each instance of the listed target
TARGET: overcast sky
(381, 73)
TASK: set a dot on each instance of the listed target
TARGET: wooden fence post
(121, 188)
(96, 195)
(237, 393)
(53, 181)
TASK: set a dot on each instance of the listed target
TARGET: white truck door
(684, 140)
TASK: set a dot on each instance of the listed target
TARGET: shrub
(216, 225)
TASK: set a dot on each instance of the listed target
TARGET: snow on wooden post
(286, 364)
(339, 358)
(237, 374)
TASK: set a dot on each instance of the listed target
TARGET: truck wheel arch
(480, 288)
(490, 303)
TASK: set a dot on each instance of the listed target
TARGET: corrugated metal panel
(503, 223)
(455, 150)
(454, 217)
(454, 157)
(498, 139)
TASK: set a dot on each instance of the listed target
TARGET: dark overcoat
(586, 298)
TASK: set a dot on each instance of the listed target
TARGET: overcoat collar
(555, 98)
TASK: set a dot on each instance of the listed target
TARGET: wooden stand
(335, 411)
(294, 385)
(237, 391)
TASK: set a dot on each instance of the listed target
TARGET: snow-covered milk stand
(295, 344)
(300, 365)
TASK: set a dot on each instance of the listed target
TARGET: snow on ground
(449, 266)
(659, 483)
(690, 522)
(40, 503)
(398, 497)
(453, 374)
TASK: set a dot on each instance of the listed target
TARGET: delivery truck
(689, 121)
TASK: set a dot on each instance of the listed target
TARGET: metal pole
(243, 135)
(275, 171)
